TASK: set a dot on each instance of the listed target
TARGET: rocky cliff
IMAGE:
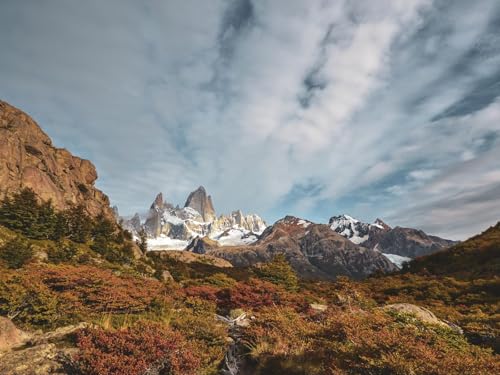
(201, 202)
(29, 159)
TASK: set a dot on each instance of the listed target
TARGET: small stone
(318, 307)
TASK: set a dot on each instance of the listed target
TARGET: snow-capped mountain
(398, 244)
(353, 229)
(172, 227)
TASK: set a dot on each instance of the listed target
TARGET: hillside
(478, 257)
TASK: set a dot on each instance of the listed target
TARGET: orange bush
(146, 347)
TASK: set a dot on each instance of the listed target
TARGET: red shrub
(98, 290)
(148, 347)
(205, 292)
(252, 294)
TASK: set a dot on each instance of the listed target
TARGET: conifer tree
(79, 224)
(20, 212)
(45, 223)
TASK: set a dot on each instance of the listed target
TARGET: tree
(16, 253)
(142, 242)
(79, 224)
(44, 226)
(279, 272)
(20, 212)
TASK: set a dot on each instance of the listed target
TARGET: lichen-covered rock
(41, 354)
(10, 335)
(420, 313)
(28, 159)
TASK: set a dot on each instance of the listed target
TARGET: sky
(373, 108)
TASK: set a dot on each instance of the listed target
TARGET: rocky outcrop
(313, 250)
(11, 336)
(200, 245)
(41, 353)
(133, 225)
(190, 257)
(199, 200)
(422, 314)
(29, 159)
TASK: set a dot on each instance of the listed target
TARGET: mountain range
(344, 246)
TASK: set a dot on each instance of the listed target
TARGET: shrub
(28, 302)
(62, 253)
(16, 253)
(279, 272)
(220, 280)
(147, 347)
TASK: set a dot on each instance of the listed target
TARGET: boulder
(420, 313)
(11, 336)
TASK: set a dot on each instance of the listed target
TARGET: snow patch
(398, 260)
(235, 237)
(166, 243)
(304, 223)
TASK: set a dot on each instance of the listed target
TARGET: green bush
(16, 253)
(279, 272)
(62, 253)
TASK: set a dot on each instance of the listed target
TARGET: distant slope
(313, 250)
(477, 257)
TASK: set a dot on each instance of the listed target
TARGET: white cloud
(254, 98)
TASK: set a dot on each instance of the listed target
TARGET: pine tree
(44, 226)
(20, 212)
(60, 229)
(79, 224)
(103, 235)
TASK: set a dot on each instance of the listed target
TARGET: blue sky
(380, 108)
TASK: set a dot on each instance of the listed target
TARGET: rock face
(200, 245)
(404, 242)
(199, 200)
(170, 227)
(28, 159)
(313, 250)
(252, 223)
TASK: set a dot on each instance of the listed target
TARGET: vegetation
(279, 272)
(145, 347)
(16, 253)
(83, 269)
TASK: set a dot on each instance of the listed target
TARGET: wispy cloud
(381, 108)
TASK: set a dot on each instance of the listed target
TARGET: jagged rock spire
(201, 202)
